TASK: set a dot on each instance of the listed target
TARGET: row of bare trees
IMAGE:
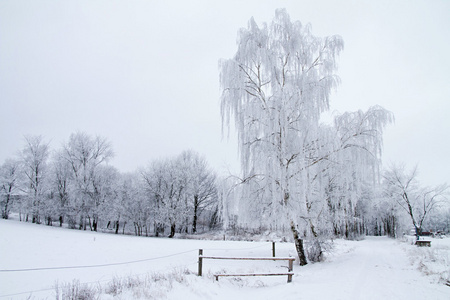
(75, 185)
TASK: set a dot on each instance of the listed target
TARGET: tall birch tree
(85, 155)
(34, 159)
(9, 184)
(201, 185)
(276, 87)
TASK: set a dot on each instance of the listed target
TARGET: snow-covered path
(375, 268)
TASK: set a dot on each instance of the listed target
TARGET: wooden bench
(288, 274)
(423, 243)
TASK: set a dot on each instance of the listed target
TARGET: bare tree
(105, 193)
(9, 181)
(131, 204)
(416, 201)
(85, 155)
(166, 187)
(61, 184)
(180, 189)
(34, 159)
(202, 189)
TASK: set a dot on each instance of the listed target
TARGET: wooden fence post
(200, 261)
(290, 268)
(273, 249)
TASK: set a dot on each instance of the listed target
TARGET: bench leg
(289, 278)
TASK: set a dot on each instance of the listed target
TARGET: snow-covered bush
(432, 261)
(76, 291)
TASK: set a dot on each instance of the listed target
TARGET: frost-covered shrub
(76, 291)
(317, 249)
(314, 251)
(432, 261)
(150, 286)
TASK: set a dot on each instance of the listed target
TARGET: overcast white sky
(144, 74)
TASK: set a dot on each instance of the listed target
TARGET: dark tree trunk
(194, 222)
(172, 231)
(299, 245)
(94, 224)
(336, 230)
(5, 213)
(123, 229)
(394, 223)
(81, 223)
(37, 219)
(117, 227)
(136, 229)
(159, 229)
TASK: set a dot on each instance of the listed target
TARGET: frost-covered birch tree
(201, 185)
(276, 87)
(9, 184)
(179, 189)
(35, 185)
(131, 205)
(61, 189)
(85, 155)
(166, 188)
(105, 193)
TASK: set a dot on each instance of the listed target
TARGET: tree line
(77, 186)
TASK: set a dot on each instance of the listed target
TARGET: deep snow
(375, 268)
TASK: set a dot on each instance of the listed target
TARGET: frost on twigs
(295, 169)
(147, 286)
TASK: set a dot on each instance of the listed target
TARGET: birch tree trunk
(298, 245)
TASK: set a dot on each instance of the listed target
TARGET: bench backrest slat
(248, 258)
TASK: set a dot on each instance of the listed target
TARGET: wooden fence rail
(289, 274)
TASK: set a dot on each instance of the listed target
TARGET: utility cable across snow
(111, 264)
(97, 266)
(119, 263)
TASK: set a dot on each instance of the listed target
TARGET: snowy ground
(375, 268)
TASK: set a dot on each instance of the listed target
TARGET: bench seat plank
(423, 243)
(289, 274)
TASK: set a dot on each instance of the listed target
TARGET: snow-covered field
(161, 268)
